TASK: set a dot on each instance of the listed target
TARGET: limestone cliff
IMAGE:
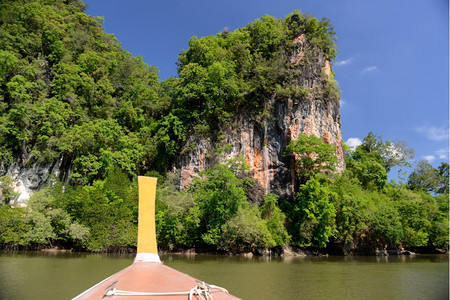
(262, 137)
(29, 179)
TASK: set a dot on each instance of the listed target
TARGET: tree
(427, 178)
(368, 171)
(219, 195)
(13, 226)
(386, 226)
(443, 172)
(389, 153)
(245, 231)
(351, 201)
(177, 216)
(439, 232)
(311, 156)
(50, 223)
(423, 177)
(69, 91)
(108, 208)
(371, 161)
(314, 214)
(275, 219)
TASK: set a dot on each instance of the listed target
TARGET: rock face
(28, 180)
(262, 140)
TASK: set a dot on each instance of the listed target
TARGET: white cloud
(434, 133)
(343, 62)
(353, 142)
(441, 153)
(429, 158)
(370, 69)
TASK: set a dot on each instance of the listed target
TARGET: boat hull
(143, 280)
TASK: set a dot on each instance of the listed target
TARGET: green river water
(39, 275)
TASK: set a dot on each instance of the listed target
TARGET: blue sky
(392, 65)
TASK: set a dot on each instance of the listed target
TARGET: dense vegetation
(71, 93)
(358, 206)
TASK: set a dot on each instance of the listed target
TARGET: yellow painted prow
(147, 249)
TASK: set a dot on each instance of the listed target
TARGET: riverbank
(284, 251)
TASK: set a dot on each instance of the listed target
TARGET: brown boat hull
(144, 277)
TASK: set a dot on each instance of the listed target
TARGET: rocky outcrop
(29, 179)
(261, 138)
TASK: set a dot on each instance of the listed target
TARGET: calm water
(36, 275)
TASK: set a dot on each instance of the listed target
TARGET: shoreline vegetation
(71, 95)
(285, 251)
(102, 217)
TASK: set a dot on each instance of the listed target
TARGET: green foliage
(321, 33)
(231, 71)
(219, 195)
(214, 212)
(369, 172)
(313, 214)
(7, 193)
(291, 91)
(423, 217)
(107, 208)
(13, 227)
(50, 223)
(386, 226)
(41, 231)
(373, 159)
(170, 132)
(311, 156)
(352, 203)
(63, 78)
(111, 146)
(331, 90)
(275, 218)
(394, 215)
(439, 232)
(245, 231)
(8, 65)
(388, 153)
(177, 216)
(426, 178)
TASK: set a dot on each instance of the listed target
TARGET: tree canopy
(312, 156)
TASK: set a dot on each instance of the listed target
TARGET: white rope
(211, 286)
(201, 290)
(115, 292)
